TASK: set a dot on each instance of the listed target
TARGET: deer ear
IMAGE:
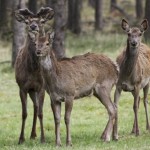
(45, 14)
(144, 25)
(125, 26)
(50, 36)
(22, 15)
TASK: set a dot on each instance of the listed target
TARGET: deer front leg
(68, 109)
(56, 108)
(116, 100)
(135, 108)
(41, 96)
(35, 106)
(23, 96)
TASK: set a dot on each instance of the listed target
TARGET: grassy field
(89, 117)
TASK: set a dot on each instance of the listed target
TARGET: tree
(74, 16)
(32, 5)
(112, 3)
(18, 30)
(139, 9)
(59, 27)
(98, 15)
(147, 16)
(3, 17)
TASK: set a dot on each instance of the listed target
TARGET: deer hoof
(69, 144)
(21, 140)
(33, 136)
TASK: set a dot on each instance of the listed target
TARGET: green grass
(89, 117)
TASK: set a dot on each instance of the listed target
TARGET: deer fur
(27, 68)
(134, 75)
(74, 78)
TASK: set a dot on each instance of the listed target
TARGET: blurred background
(83, 25)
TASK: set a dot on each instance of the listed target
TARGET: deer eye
(140, 34)
(27, 21)
(47, 43)
(129, 34)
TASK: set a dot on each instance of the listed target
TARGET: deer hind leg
(68, 109)
(103, 94)
(41, 96)
(23, 96)
(32, 95)
(116, 100)
(145, 91)
(56, 108)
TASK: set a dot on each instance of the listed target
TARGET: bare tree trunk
(112, 3)
(91, 3)
(98, 15)
(32, 5)
(49, 3)
(59, 27)
(74, 16)
(139, 9)
(18, 31)
(3, 17)
(147, 16)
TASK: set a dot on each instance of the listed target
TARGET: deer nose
(33, 26)
(134, 43)
(38, 52)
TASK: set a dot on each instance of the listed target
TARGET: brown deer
(134, 75)
(27, 70)
(74, 78)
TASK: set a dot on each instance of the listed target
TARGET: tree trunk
(91, 3)
(98, 15)
(112, 3)
(74, 16)
(48, 3)
(59, 27)
(18, 31)
(32, 5)
(139, 9)
(147, 16)
(3, 17)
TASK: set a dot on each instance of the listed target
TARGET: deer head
(44, 44)
(34, 22)
(134, 33)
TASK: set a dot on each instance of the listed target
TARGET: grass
(89, 117)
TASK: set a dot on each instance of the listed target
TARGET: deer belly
(82, 92)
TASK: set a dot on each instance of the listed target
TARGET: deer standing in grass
(27, 70)
(134, 75)
(74, 78)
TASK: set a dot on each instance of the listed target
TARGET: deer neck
(32, 59)
(130, 60)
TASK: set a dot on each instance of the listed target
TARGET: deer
(27, 70)
(73, 78)
(134, 62)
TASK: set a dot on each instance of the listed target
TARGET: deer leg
(23, 96)
(68, 109)
(104, 96)
(135, 108)
(134, 124)
(41, 96)
(145, 91)
(35, 105)
(116, 100)
(56, 108)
